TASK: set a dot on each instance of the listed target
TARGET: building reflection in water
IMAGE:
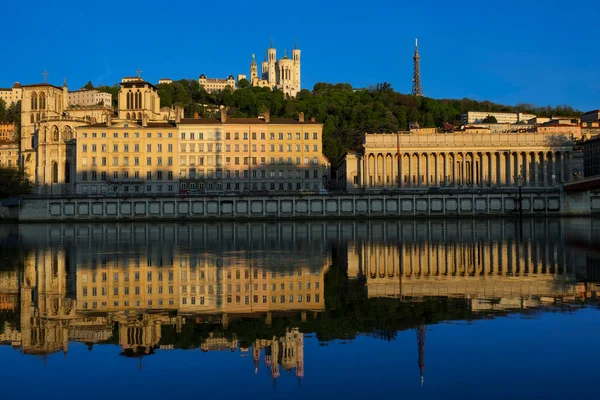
(145, 286)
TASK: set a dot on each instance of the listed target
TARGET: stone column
(418, 169)
(400, 182)
(569, 176)
(437, 169)
(384, 170)
(526, 168)
(502, 177)
(536, 168)
(446, 169)
(410, 170)
(427, 161)
(375, 169)
(509, 169)
(544, 161)
(562, 167)
(481, 162)
(462, 169)
(368, 170)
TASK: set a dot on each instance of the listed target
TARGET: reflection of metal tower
(421, 343)
(417, 90)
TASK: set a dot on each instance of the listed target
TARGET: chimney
(301, 116)
(196, 115)
(109, 119)
(267, 115)
(313, 119)
(144, 120)
(223, 115)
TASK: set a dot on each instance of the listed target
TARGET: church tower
(272, 63)
(264, 68)
(296, 69)
(253, 69)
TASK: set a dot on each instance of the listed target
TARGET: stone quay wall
(298, 207)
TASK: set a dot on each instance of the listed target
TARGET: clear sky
(539, 52)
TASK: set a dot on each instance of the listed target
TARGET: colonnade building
(463, 159)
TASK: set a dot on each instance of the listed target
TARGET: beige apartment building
(89, 98)
(11, 95)
(460, 159)
(234, 154)
(125, 157)
(216, 84)
(474, 117)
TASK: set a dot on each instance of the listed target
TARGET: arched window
(54, 172)
(55, 133)
(67, 172)
(32, 118)
(68, 133)
(129, 105)
(42, 100)
(34, 102)
(45, 132)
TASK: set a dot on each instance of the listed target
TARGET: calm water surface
(489, 309)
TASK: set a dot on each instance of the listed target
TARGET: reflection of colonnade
(502, 269)
(464, 159)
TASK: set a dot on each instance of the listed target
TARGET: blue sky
(539, 52)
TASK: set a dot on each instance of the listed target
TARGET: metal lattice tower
(417, 90)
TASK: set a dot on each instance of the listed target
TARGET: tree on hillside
(490, 119)
(243, 84)
(14, 182)
(89, 86)
(2, 111)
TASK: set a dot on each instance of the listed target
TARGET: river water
(479, 308)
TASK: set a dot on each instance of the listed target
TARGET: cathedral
(282, 74)
(49, 127)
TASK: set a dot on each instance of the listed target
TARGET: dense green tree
(13, 182)
(113, 90)
(2, 111)
(490, 119)
(89, 86)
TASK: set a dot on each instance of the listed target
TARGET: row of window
(237, 174)
(202, 301)
(125, 161)
(191, 148)
(93, 189)
(245, 136)
(255, 299)
(200, 174)
(201, 289)
(126, 135)
(124, 175)
(126, 303)
(170, 188)
(125, 148)
(218, 160)
(193, 160)
(136, 276)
